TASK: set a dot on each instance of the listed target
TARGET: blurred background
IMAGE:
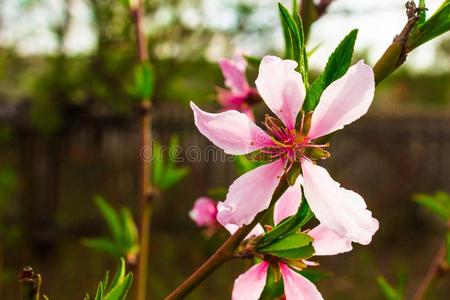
(68, 132)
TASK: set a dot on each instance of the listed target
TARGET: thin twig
(395, 55)
(225, 252)
(145, 132)
(433, 270)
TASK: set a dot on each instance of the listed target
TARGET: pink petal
(289, 202)
(327, 242)
(249, 285)
(344, 101)
(258, 230)
(234, 73)
(250, 194)
(232, 131)
(340, 210)
(281, 87)
(297, 287)
(204, 212)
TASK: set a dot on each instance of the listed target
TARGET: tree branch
(225, 252)
(395, 54)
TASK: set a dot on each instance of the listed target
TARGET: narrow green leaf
(337, 65)
(293, 241)
(119, 275)
(253, 61)
(288, 51)
(102, 244)
(389, 292)
(144, 80)
(436, 25)
(219, 193)
(297, 40)
(110, 216)
(129, 229)
(303, 63)
(422, 13)
(314, 275)
(448, 248)
(105, 281)
(294, 253)
(243, 164)
(288, 225)
(99, 294)
(173, 176)
(120, 291)
(438, 204)
(157, 164)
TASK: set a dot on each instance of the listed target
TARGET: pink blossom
(239, 95)
(249, 285)
(287, 142)
(204, 212)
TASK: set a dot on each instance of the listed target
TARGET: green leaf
(130, 231)
(388, 290)
(448, 248)
(120, 291)
(288, 51)
(111, 217)
(337, 65)
(105, 281)
(102, 244)
(119, 275)
(438, 204)
(422, 13)
(144, 80)
(292, 241)
(157, 164)
(295, 29)
(295, 246)
(436, 25)
(173, 176)
(294, 253)
(99, 294)
(314, 275)
(253, 61)
(288, 225)
(218, 193)
(243, 164)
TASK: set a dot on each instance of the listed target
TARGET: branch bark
(145, 133)
(433, 270)
(395, 55)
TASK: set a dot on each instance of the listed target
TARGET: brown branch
(225, 252)
(395, 55)
(145, 133)
(433, 270)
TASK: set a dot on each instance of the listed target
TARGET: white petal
(343, 101)
(231, 130)
(281, 87)
(249, 285)
(289, 202)
(328, 242)
(297, 287)
(250, 194)
(341, 210)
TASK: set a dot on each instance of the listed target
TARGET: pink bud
(204, 212)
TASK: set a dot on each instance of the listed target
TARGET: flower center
(292, 144)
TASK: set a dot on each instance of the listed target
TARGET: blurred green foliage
(390, 292)
(166, 173)
(124, 241)
(117, 289)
